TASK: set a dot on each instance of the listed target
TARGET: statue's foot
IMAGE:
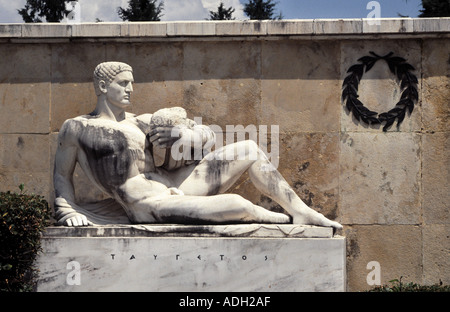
(315, 218)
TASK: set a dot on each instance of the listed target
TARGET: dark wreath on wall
(408, 84)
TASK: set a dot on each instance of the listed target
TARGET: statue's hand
(164, 136)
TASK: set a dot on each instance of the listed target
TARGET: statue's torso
(112, 151)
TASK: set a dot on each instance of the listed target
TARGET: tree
(435, 8)
(53, 11)
(261, 10)
(222, 13)
(141, 10)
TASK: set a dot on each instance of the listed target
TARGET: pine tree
(52, 10)
(222, 13)
(260, 10)
(435, 8)
(141, 10)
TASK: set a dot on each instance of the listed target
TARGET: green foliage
(141, 10)
(435, 8)
(34, 10)
(261, 10)
(398, 286)
(222, 13)
(22, 218)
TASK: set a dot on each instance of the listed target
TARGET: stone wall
(390, 189)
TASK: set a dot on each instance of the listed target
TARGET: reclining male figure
(113, 148)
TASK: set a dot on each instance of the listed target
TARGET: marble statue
(115, 149)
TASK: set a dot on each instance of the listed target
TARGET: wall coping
(319, 28)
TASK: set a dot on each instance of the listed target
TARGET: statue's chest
(100, 141)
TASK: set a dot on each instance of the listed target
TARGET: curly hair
(107, 71)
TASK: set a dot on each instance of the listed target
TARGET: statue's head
(113, 80)
(106, 72)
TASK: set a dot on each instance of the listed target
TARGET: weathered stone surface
(46, 30)
(246, 28)
(196, 28)
(338, 26)
(221, 82)
(379, 89)
(10, 30)
(152, 29)
(380, 178)
(387, 25)
(299, 90)
(177, 230)
(435, 178)
(432, 24)
(139, 263)
(397, 248)
(27, 107)
(24, 158)
(436, 254)
(290, 27)
(436, 85)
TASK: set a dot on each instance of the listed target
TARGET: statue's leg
(149, 201)
(215, 174)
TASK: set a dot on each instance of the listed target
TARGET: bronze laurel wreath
(408, 85)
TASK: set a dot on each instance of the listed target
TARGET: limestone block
(221, 82)
(432, 24)
(78, 63)
(290, 27)
(45, 30)
(19, 152)
(97, 30)
(241, 28)
(436, 85)
(338, 26)
(147, 29)
(24, 158)
(300, 90)
(206, 28)
(379, 89)
(18, 63)
(10, 30)
(436, 254)
(38, 183)
(397, 249)
(380, 178)
(25, 107)
(387, 25)
(435, 177)
(70, 100)
(310, 163)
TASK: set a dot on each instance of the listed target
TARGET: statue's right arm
(65, 161)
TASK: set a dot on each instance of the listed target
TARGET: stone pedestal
(254, 257)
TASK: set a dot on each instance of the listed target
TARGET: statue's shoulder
(73, 126)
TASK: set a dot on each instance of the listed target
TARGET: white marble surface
(191, 264)
(175, 230)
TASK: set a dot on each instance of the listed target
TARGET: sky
(183, 10)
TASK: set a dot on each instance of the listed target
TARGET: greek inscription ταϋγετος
(218, 257)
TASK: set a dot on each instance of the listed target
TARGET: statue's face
(118, 92)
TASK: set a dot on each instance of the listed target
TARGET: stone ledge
(315, 27)
(172, 230)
